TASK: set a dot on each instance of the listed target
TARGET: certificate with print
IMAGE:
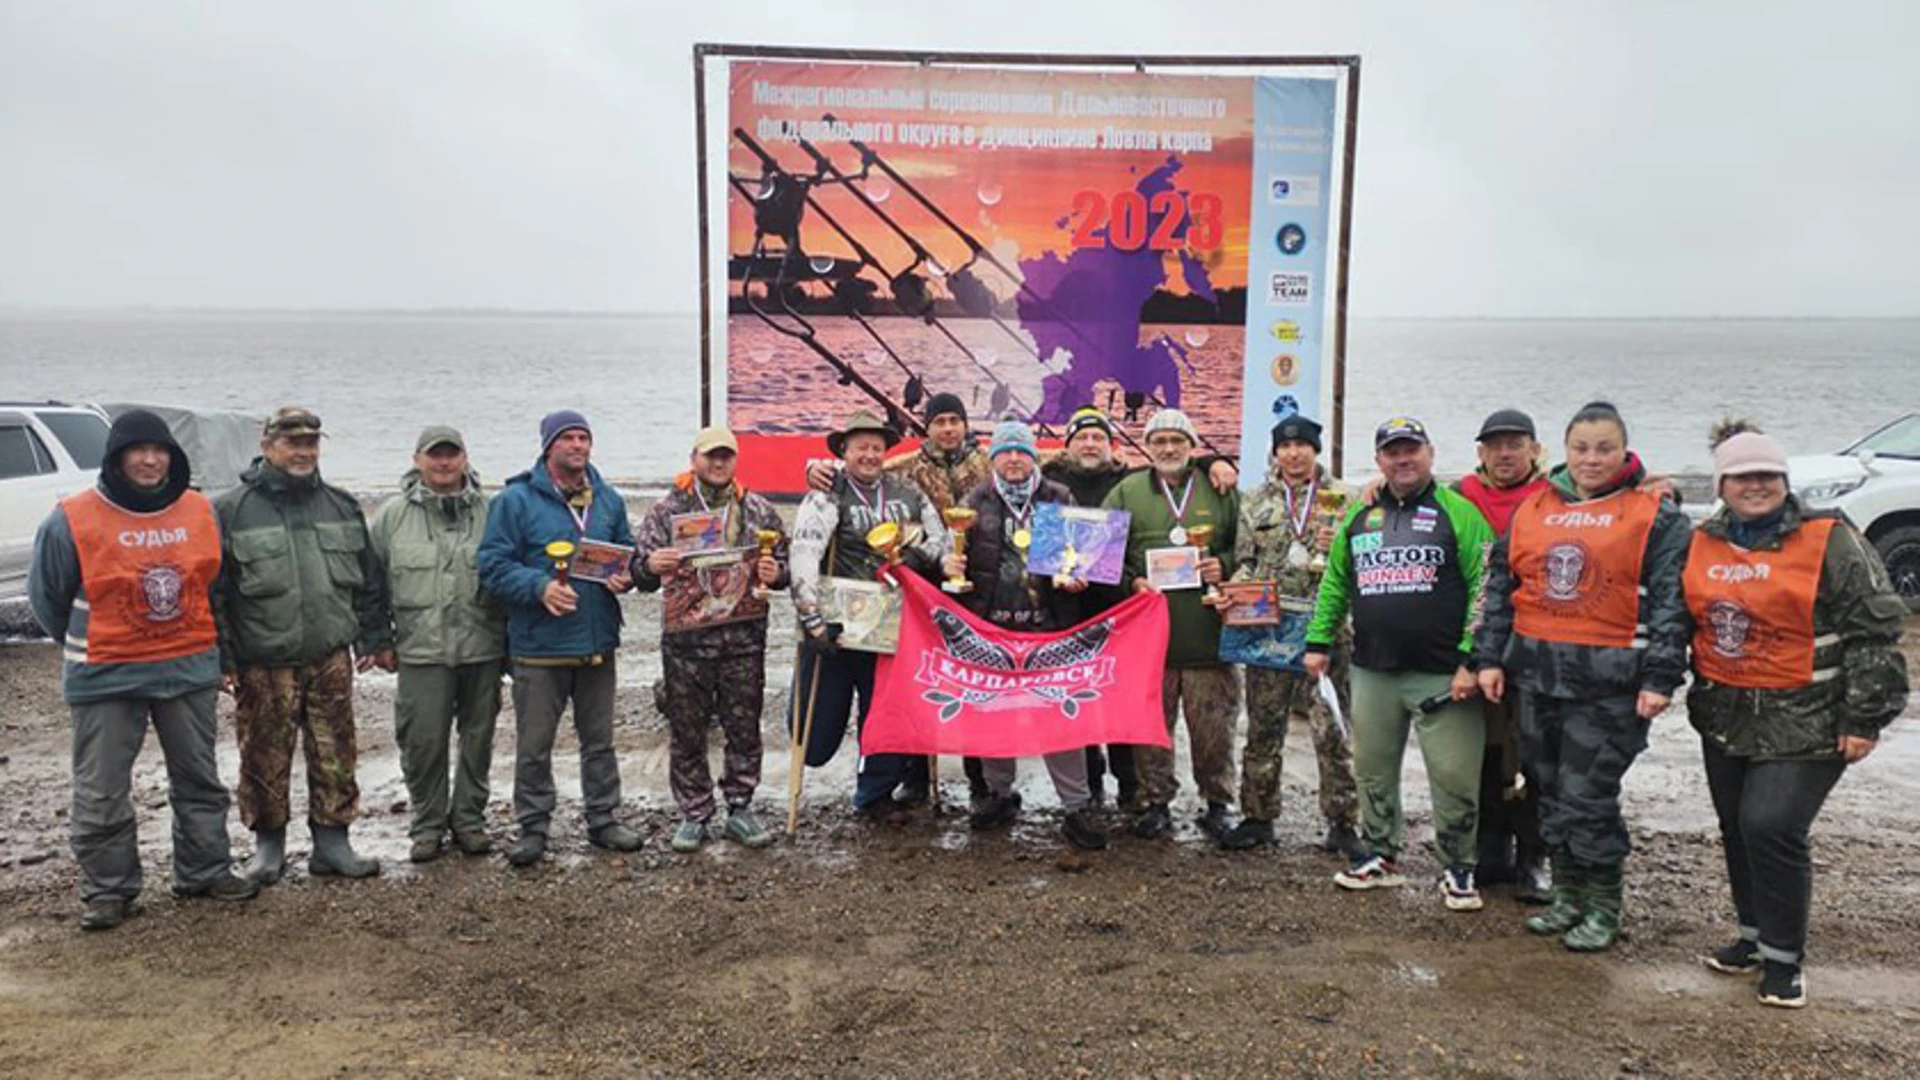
(596, 560)
(1169, 569)
(701, 530)
(712, 589)
(1079, 542)
(1255, 603)
(868, 613)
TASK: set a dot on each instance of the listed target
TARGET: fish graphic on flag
(960, 685)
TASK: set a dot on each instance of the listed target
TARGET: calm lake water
(377, 379)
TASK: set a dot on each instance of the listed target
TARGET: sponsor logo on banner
(1285, 330)
(1291, 239)
(1286, 369)
(1290, 288)
(1293, 190)
(971, 671)
(1284, 406)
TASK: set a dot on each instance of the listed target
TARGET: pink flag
(960, 685)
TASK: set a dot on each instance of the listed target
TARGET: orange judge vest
(1578, 566)
(147, 577)
(1753, 610)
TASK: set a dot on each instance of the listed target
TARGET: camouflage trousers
(695, 693)
(1579, 751)
(1209, 695)
(1273, 698)
(274, 704)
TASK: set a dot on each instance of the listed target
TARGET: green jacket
(1857, 619)
(297, 581)
(1193, 638)
(426, 546)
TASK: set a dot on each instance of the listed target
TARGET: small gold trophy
(959, 519)
(884, 539)
(561, 552)
(1200, 536)
(769, 539)
(1329, 505)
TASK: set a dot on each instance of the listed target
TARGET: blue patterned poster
(1079, 542)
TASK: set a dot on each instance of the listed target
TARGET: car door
(30, 484)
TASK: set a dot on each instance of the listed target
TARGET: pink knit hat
(1745, 454)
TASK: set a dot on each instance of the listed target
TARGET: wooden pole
(800, 735)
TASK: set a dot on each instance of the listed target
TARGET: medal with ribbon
(1178, 534)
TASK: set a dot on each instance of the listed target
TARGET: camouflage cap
(291, 420)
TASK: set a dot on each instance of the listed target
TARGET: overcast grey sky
(1515, 158)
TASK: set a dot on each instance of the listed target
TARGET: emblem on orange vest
(1566, 570)
(1731, 627)
(163, 585)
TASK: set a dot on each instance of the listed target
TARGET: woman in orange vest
(1796, 669)
(1584, 616)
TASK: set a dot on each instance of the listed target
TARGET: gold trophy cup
(1200, 536)
(1328, 507)
(561, 552)
(959, 519)
(768, 539)
(884, 538)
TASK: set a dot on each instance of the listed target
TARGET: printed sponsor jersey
(147, 578)
(1578, 566)
(1753, 610)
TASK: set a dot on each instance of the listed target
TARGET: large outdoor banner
(960, 685)
(1032, 240)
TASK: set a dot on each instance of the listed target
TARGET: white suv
(1876, 481)
(48, 450)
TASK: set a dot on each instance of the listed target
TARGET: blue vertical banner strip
(1287, 282)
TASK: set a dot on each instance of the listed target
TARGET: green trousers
(1452, 740)
(431, 699)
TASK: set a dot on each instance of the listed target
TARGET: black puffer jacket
(1857, 619)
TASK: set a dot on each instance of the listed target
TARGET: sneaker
(1740, 958)
(688, 836)
(1082, 831)
(745, 829)
(229, 887)
(996, 811)
(1154, 822)
(107, 912)
(1250, 833)
(472, 843)
(614, 837)
(1781, 985)
(425, 849)
(1370, 872)
(1457, 889)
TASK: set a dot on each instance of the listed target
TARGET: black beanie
(131, 428)
(942, 404)
(1297, 428)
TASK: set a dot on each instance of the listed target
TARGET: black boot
(1533, 880)
(1250, 833)
(1217, 822)
(1154, 822)
(333, 855)
(269, 859)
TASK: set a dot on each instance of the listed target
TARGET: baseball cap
(438, 435)
(1398, 428)
(717, 437)
(1507, 421)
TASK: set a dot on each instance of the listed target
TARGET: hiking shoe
(1342, 839)
(1457, 889)
(1370, 872)
(1782, 986)
(1250, 833)
(425, 849)
(1154, 822)
(1740, 958)
(996, 811)
(1082, 831)
(744, 828)
(527, 850)
(229, 887)
(688, 836)
(614, 837)
(107, 912)
(885, 811)
(1217, 822)
(472, 843)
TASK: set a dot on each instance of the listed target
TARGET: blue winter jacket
(524, 518)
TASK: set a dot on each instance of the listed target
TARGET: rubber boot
(1601, 924)
(269, 858)
(1566, 900)
(333, 855)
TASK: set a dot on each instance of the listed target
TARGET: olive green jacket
(1857, 619)
(297, 580)
(426, 546)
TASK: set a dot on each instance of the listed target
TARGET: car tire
(1900, 550)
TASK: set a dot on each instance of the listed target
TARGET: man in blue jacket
(561, 636)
